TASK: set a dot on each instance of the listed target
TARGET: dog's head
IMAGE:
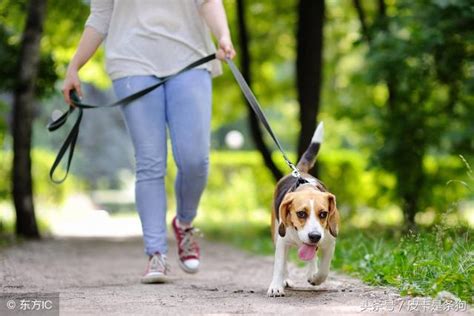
(311, 213)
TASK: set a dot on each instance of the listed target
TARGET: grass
(421, 264)
(424, 263)
(7, 237)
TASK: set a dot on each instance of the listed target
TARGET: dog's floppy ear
(283, 212)
(333, 218)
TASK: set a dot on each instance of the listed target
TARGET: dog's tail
(309, 157)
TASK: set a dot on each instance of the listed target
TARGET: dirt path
(100, 276)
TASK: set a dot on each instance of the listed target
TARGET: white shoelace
(158, 263)
(187, 243)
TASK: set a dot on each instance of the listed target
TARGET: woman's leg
(146, 122)
(188, 112)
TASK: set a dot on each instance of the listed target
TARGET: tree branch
(363, 23)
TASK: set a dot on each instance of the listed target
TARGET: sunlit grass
(422, 263)
(7, 226)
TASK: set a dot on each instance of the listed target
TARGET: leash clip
(295, 173)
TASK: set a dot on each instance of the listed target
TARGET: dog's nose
(314, 237)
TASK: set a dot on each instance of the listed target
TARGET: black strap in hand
(71, 139)
(70, 142)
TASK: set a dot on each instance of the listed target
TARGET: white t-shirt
(152, 37)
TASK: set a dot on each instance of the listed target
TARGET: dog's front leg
(311, 269)
(278, 281)
(324, 263)
(286, 276)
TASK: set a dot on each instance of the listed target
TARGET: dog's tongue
(307, 252)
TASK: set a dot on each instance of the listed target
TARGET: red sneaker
(188, 249)
(156, 269)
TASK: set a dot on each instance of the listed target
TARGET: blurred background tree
(26, 72)
(309, 57)
(418, 51)
(29, 74)
(391, 79)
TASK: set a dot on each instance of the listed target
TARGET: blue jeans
(184, 105)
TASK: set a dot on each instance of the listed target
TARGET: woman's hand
(71, 82)
(225, 49)
(88, 44)
(214, 14)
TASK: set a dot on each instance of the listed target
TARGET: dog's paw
(275, 290)
(317, 278)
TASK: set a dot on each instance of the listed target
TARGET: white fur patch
(318, 134)
(312, 225)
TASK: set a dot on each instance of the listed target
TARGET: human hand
(225, 49)
(71, 83)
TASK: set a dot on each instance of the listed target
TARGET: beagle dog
(304, 215)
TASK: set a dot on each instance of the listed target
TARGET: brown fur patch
(333, 216)
(284, 213)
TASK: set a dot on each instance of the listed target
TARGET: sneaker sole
(154, 278)
(186, 269)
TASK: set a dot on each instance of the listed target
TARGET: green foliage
(6, 238)
(450, 183)
(237, 181)
(240, 184)
(420, 53)
(366, 188)
(64, 25)
(44, 190)
(9, 54)
(249, 236)
(373, 155)
(62, 30)
(271, 26)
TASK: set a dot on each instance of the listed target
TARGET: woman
(146, 40)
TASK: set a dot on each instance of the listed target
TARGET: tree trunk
(309, 67)
(409, 147)
(23, 118)
(411, 193)
(362, 21)
(255, 129)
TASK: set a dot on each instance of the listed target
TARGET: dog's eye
(323, 214)
(301, 214)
